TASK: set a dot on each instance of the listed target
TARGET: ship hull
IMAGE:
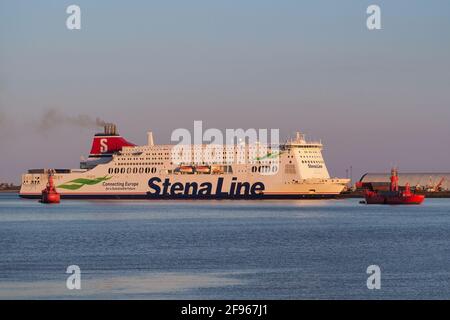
(185, 187)
(395, 200)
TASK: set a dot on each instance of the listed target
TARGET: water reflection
(133, 286)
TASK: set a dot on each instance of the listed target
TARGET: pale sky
(375, 98)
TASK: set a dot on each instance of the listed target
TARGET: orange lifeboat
(203, 169)
(217, 169)
(186, 169)
(49, 194)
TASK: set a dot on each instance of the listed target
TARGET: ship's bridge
(300, 142)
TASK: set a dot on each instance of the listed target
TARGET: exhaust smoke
(53, 118)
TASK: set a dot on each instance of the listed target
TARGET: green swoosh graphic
(78, 183)
(269, 155)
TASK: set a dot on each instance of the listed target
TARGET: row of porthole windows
(180, 153)
(131, 170)
(144, 159)
(308, 161)
(264, 169)
(307, 156)
(31, 182)
(138, 164)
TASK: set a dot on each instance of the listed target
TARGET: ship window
(135, 170)
(147, 170)
(116, 170)
(122, 170)
(153, 170)
(141, 170)
(128, 170)
(110, 170)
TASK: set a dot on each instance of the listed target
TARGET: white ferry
(118, 169)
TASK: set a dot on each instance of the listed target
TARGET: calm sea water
(223, 249)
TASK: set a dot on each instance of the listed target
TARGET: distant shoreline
(14, 190)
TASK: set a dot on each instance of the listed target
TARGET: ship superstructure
(118, 169)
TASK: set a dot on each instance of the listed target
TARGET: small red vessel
(49, 194)
(394, 195)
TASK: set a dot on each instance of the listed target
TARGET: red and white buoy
(49, 194)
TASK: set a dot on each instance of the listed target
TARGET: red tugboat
(49, 194)
(394, 195)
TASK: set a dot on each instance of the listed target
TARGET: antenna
(351, 175)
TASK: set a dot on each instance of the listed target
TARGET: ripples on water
(224, 249)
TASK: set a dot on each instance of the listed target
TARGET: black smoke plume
(53, 118)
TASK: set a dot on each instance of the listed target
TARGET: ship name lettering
(158, 187)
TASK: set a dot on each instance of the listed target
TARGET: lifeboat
(217, 169)
(49, 194)
(186, 169)
(394, 195)
(202, 169)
